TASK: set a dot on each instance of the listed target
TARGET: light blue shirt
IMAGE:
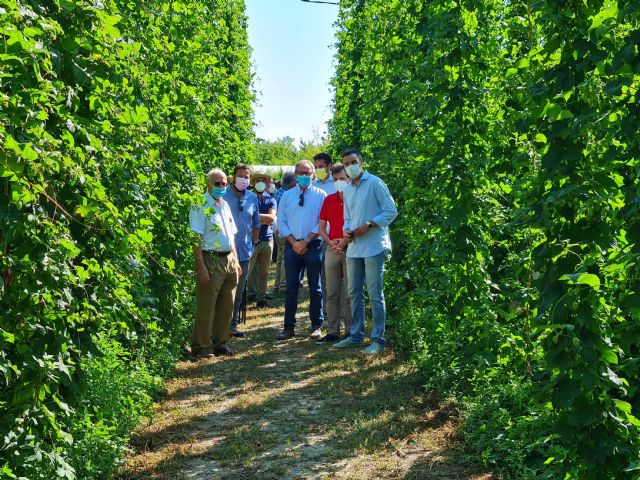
(369, 201)
(296, 220)
(327, 186)
(246, 220)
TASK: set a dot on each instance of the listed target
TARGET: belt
(215, 252)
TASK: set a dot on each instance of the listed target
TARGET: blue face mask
(218, 192)
(304, 181)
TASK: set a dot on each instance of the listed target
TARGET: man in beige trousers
(217, 269)
(335, 261)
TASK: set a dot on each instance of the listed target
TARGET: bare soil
(295, 410)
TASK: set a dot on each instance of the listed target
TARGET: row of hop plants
(508, 131)
(110, 113)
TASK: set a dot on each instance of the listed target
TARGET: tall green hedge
(110, 113)
(508, 131)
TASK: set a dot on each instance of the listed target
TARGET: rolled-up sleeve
(197, 220)
(388, 210)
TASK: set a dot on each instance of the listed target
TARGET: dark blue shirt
(266, 203)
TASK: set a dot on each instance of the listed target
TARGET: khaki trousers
(335, 271)
(280, 284)
(261, 262)
(214, 302)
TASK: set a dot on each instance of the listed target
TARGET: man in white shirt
(217, 269)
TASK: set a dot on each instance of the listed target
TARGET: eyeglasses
(306, 174)
(301, 202)
(219, 184)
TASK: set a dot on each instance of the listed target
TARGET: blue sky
(293, 52)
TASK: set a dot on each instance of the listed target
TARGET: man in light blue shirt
(324, 180)
(368, 211)
(246, 213)
(298, 218)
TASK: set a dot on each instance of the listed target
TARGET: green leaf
(582, 279)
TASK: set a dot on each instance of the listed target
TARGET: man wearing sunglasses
(217, 269)
(298, 218)
(246, 213)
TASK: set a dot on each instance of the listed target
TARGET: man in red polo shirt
(335, 262)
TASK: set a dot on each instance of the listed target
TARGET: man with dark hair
(246, 213)
(324, 181)
(288, 181)
(335, 263)
(368, 211)
(298, 217)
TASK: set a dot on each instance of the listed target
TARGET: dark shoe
(251, 298)
(328, 339)
(263, 304)
(203, 354)
(268, 296)
(238, 334)
(223, 351)
(286, 334)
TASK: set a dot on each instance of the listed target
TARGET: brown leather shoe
(223, 351)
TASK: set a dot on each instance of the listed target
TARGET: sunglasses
(240, 203)
(301, 202)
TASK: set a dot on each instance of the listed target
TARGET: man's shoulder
(317, 190)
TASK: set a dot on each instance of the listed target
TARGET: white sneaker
(316, 334)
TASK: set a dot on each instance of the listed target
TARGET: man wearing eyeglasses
(245, 209)
(217, 269)
(298, 218)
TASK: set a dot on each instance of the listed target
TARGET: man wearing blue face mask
(298, 218)
(217, 269)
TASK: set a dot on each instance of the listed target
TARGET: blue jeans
(239, 291)
(371, 271)
(293, 265)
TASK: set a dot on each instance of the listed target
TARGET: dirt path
(296, 410)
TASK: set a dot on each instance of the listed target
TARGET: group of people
(330, 221)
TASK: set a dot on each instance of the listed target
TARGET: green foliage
(507, 131)
(283, 151)
(111, 113)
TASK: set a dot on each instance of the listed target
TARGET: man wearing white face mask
(245, 210)
(335, 263)
(368, 211)
(262, 258)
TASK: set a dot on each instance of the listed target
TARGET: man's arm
(282, 224)
(388, 209)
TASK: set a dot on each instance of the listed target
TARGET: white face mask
(353, 171)
(272, 188)
(260, 187)
(340, 185)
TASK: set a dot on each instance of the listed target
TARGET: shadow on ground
(296, 410)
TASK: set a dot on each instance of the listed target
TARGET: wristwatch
(370, 224)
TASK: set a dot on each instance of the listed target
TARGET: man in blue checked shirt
(298, 218)
(246, 214)
(368, 211)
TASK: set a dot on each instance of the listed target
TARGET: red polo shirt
(332, 211)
